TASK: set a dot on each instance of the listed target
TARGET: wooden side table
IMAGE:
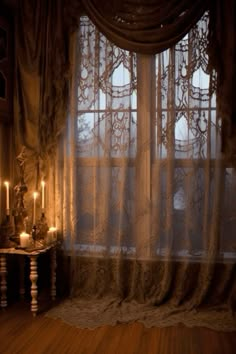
(33, 256)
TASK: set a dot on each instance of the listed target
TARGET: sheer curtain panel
(146, 198)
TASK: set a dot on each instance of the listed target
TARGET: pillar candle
(52, 234)
(24, 239)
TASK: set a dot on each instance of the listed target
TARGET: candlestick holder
(19, 212)
(40, 229)
(34, 233)
(6, 233)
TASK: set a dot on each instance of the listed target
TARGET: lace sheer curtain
(141, 182)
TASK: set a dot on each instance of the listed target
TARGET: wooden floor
(21, 333)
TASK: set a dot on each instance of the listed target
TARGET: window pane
(185, 108)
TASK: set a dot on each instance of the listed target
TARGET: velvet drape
(222, 59)
(41, 82)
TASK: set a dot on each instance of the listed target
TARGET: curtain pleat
(222, 57)
(42, 67)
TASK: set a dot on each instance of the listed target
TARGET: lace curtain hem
(112, 291)
(109, 311)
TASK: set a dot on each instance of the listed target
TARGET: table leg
(53, 273)
(22, 277)
(3, 287)
(34, 289)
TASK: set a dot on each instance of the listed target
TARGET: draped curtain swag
(147, 27)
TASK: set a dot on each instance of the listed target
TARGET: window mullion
(170, 131)
(144, 151)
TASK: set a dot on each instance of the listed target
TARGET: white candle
(7, 198)
(43, 194)
(24, 239)
(35, 194)
(52, 234)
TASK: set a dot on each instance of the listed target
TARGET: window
(146, 137)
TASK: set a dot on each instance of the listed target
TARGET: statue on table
(19, 211)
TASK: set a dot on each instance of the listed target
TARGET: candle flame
(52, 228)
(6, 183)
(35, 194)
(24, 234)
(43, 183)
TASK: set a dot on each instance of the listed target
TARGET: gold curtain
(41, 81)
(222, 59)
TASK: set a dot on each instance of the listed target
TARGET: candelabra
(10, 231)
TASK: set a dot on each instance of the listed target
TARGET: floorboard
(23, 334)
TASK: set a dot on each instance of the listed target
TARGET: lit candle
(7, 198)
(52, 234)
(35, 194)
(43, 194)
(24, 239)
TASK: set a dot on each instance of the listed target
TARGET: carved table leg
(3, 271)
(22, 277)
(34, 289)
(53, 273)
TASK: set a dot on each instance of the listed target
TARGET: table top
(31, 251)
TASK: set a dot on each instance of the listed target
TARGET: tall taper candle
(7, 198)
(43, 194)
(35, 194)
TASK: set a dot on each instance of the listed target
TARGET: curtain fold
(147, 27)
(112, 291)
(222, 58)
(41, 81)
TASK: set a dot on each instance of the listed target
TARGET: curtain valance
(144, 26)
